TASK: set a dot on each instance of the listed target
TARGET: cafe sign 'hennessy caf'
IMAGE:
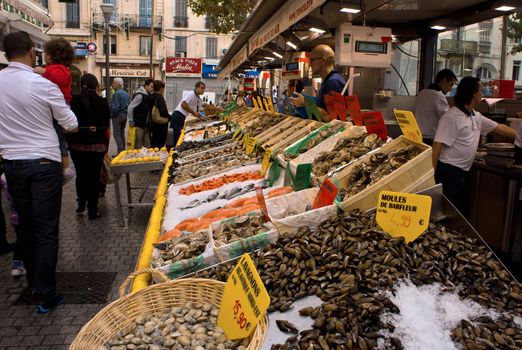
(179, 65)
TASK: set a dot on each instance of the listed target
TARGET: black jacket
(140, 114)
(93, 123)
(158, 100)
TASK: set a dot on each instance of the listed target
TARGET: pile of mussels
(350, 263)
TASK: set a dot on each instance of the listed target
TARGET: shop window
(145, 43)
(72, 14)
(516, 70)
(180, 46)
(485, 36)
(113, 45)
(483, 73)
(211, 48)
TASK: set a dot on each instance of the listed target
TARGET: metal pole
(151, 73)
(503, 50)
(107, 54)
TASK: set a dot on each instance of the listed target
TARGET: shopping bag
(131, 137)
(106, 177)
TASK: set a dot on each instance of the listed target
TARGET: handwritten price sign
(267, 160)
(335, 106)
(244, 302)
(354, 108)
(403, 214)
(408, 125)
(374, 123)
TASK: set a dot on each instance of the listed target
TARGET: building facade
(24, 15)
(177, 34)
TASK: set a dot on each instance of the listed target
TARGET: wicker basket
(154, 299)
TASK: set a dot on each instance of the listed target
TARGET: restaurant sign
(128, 72)
(183, 65)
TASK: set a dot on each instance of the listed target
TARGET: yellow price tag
(255, 103)
(250, 145)
(244, 302)
(267, 160)
(246, 137)
(237, 134)
(260, 102)
(269, 105)
(403, 214)
(408, 125)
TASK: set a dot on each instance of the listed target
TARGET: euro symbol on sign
(421, 222)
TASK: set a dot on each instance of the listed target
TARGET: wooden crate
(274, 130)
(293, 127)
(243, 116)
(405, 177)
(293, 137)
(424, 182)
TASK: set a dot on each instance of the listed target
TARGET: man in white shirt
(191, 104)
(458, 137)
(431, 104)
(32, 162)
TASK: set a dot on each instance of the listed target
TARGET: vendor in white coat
(458, 137)
(431, 104)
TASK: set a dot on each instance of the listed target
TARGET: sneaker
(46, 306)
(18, 269)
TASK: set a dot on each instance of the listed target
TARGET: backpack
(156, 116)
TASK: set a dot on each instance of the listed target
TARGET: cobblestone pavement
(93, 246)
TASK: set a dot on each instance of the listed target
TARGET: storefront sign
(91, 47)
(209, 71)
(403, 214)
(289, 14)
(244, 302)
(183, 65)
(408, 124)
(80, 49)
(239, 58)
(127, 72)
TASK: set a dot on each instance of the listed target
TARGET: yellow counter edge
(153, 229)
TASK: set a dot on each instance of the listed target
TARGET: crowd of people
(41, 124)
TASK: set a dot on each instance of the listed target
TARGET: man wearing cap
(431, 104)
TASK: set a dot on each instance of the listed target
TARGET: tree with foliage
(515, 31)
(226, 15)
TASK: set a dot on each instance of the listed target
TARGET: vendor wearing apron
(192, 104)
(457, 139)
(431, 104)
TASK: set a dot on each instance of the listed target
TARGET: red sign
(354, 108)
(335, 106)
(326, 195)
(183, 65)
(374, 123)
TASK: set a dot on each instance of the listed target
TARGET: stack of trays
(500, 154)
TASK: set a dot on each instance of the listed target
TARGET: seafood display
(199, 170)
(183, 246)
(379, 165)
(266, 121)
(238, 228)
(193, 326)
(219, 181)
(345, 150)
(227, 194)
(351, 264)
(232, 150)
(133, 156)
(190, 147)
(322, 135)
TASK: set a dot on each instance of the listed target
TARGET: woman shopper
(158, 132)
(89, 145)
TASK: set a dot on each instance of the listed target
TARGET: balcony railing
(128, 21)
(72, 22)
(181, 22)
(484, 46)
(459, 46)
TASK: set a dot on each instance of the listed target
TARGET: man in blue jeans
(32, 162)
(119, 105)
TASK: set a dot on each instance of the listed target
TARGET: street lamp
(107, 10)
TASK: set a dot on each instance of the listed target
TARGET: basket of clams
(177, 314)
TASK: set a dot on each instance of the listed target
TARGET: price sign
(267, 160)
(254, 102)
(403, 214)
(262, 205)
(245, 140)
(408, 125)
(354, 108)
(269, 105)
(335, 106)
(244, 302)
(237, 134)
(326, 195)
(260, 102)
(311, 108)
(250, 145)
(374, 123)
